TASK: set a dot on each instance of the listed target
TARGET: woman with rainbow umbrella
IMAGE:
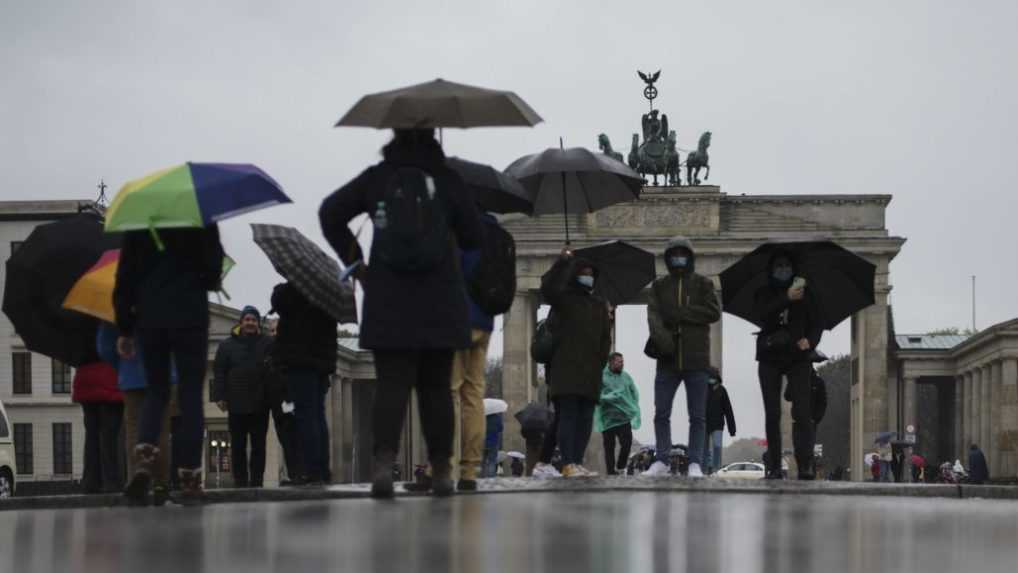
(170, 260)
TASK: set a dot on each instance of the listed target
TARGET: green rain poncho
(620, 402)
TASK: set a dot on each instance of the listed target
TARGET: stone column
(1008, 426)
(518, 370)
(911, 403)
(986, 375)
(969, 413)
(996, 369)
(959, 399)
(869, 353)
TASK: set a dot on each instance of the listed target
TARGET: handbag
(778, 341)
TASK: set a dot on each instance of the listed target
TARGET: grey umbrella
(312, 272)
(440, 104)
(575, 180)
(493, 190)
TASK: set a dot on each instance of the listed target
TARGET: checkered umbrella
(312, 272)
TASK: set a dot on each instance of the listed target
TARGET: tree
(493, 378)
(833, 430)
(743, 450)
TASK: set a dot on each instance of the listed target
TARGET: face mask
(586, 280)
(783, 274)
(678, 262)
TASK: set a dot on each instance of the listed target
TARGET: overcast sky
(910, 98)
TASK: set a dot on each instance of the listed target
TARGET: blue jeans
(712, 451)
(489, 466)
(665, 385)
(308, 389)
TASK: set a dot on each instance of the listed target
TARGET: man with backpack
(415, 312)
(490, 274)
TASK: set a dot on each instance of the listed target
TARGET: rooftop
(929, 341)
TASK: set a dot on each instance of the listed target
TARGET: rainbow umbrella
(92, 293)
(192, 195)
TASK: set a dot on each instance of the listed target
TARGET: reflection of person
(790, 330)
(875, 467)
(618, 413)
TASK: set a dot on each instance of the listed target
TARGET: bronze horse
(698, 159)
(606, 147)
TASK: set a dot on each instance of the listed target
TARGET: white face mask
(586, 280)
(678, 262)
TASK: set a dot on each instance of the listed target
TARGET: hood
(680, 242)
(770, 265)
(424, 152)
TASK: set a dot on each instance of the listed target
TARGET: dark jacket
(583, 333)
(801, 321)
(306, 335)
(719, 409)
(167, 288)
(238, 372)
(400, 311)
(978, 470)
(679, 314)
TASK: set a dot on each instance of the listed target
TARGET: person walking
(979, 472)
(281, 407)
(102, 405)
(238, 388)
(132, 384)
(493, 427)
(161, 303)
(304, 353)
(584, 341)
(617, 413)
(719, 411)
(681, 308)
(415, 312)
(791, 331)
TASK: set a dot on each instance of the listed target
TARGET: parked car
(742, 470)
(8, 468)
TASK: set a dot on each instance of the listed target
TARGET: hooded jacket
(785, 329)
(681, 308)
(306, 335)
(582, 330)
(238, 372)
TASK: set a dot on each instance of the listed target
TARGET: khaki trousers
(132, 412)
(468, 405)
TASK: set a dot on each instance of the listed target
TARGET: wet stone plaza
(582, 530)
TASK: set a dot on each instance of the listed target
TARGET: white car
(8, 469)
(742, 470)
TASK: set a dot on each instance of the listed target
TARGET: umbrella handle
(565, 207)
(155, 237)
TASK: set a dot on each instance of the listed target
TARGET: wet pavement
(560, 532)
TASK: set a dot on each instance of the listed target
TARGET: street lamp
(219, 462)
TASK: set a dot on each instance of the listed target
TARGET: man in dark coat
(304, 354)
(583, 343)
(979, 472)
(719, 410)
(413, 320)
(161, 298)
(681, 308)
(238, 389)
(790, 332)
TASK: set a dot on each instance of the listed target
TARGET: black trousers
(624, 435)
(243, 427)
(101, 470)
(803, 429)
(286, 431)
(430, 371)
(576, 422)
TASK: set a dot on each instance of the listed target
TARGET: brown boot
(381, 480)
(191, 492)
(145, 456)
(441, 478)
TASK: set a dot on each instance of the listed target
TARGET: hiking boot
(441, 479)
(467, 485)
(806, 470)
(381, 480)
(545, 471)
(191, 492)
(136, 491)
(657, 469)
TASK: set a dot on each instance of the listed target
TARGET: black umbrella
(841, 282)
(575, 180)
(440, 104)
(312, 272)
(624, 270)
(40, 274)
(536, 417)
(493, 190)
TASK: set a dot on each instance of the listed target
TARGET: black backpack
(492, 286)
(542, 347)
(411, 223)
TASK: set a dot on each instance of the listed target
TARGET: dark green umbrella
(440, 104)
(39, 276)
(840, 281)
(493, 190)
(624, 270)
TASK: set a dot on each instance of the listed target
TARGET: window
(62, 453)
(23, 456)
(61, 378)
(22, 372)
(15, 245)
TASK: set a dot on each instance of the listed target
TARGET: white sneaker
(657, 469)
(586, 472)
(545, 471)
(694, 471)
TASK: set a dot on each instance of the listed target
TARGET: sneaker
(658, 469)
(694, 471)
(381, 482)
(441, 479)
(585, 472)
(545, 471)
(572, 471)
